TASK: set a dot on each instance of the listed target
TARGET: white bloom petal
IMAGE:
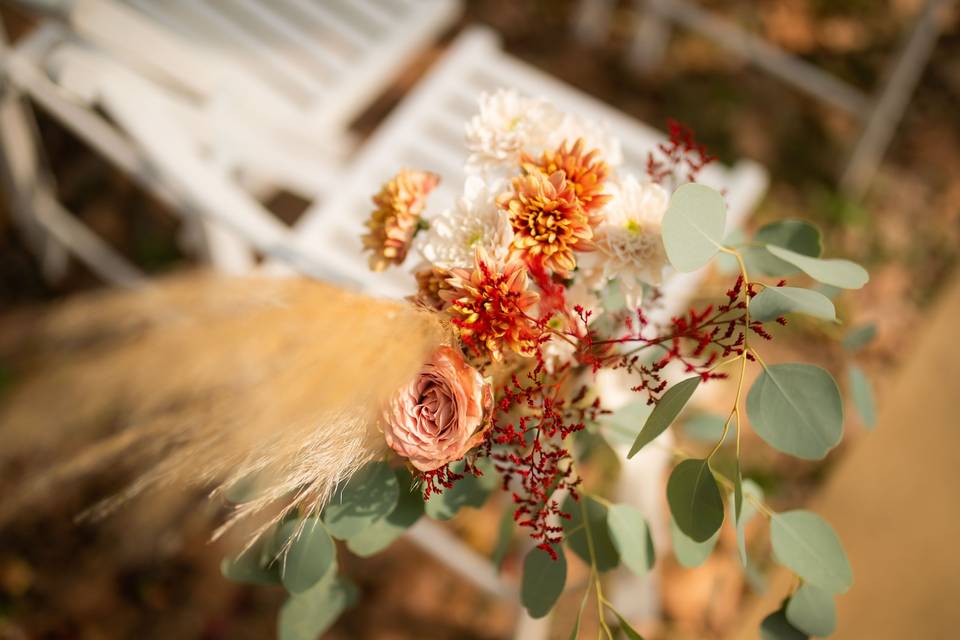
(629, 242)
(507, 125)
(476, 221)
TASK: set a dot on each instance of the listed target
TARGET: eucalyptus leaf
(812, 611)
(468, 491)
(504, 537)
(707, 427)
(369, 496)
(628, 631)
(575, 536)
(860, 337)
(795, 235)
(307, 615)
(631, 537)
(695, 500)
(666, 411)
(808, 546)
(738, 511)
(690, 553)
(623, 425)
(384, 532)
(776, 627)
(838, 273)
(310, 554)
(774, 302)
(862, 393)
(693, 226)
(748, 489)
(543, 581)
(797, 409)
(256, 565)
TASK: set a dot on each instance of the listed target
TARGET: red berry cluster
(681, 154)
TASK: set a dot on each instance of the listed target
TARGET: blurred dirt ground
(61, 580)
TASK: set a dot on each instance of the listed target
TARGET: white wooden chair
(266, 88)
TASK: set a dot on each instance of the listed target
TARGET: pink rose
(441, 414)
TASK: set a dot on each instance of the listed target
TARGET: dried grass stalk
(211, 380)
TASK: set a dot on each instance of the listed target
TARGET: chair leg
(650, 38)
(891, 103)
(24, 174)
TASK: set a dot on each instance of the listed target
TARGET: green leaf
(776, 627)
(690, 553)
(630, 632)
(543, 581)
(809, 547)
(862, 393)
(306, 615)
(631, 537)
(706, 427)
(576, 536)
(797, 409)
(795, 235)
(468, 491)
(693, 226)
(666, 411)
(504, 537)
(774, 302)
(745, 510)
(860, 337)
(812, 611)
(369, 496)
(310, 556)
(623, 425)
(382, 533)
(254, 566)
(838, 273)
(695, 500)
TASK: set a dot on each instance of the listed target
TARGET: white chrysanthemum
(595, 135)
(509, 123)
(476, 221)
(629, 242)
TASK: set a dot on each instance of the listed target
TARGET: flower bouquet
(544, 275)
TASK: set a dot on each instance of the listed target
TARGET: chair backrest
(426, 132)
(326, 60)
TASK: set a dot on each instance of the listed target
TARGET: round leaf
(253, 566)
(795, 235)
(543, 582)
(862, 394)
(689, 553)
(744, 509)
(693, 226)
(695, 500)
(812, 611)
(468, 491)
(776, 627)
(806, 544)
(837, 273)
(306, 615)
(773, 302)
(631, 536)
(623, 425)
(382, 533)
(797, 409)
(370, 495)
(666, 411)
(707, 427)
(576, 536)
(310, 556)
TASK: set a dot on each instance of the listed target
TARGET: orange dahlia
(394, 222)
(548, 220)
(489, 306)
(585, 172)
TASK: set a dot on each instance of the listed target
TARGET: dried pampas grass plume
(211, 381)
